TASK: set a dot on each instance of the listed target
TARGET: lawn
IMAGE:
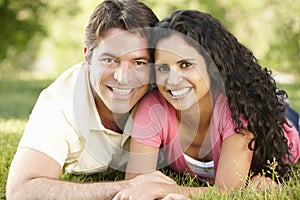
(17, 98)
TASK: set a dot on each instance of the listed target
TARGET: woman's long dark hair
(250, 89)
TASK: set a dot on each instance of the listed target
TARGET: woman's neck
(194, 129)
(199, 115)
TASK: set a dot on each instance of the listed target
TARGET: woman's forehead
(176, 45)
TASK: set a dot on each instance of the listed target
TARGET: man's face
(119, 69)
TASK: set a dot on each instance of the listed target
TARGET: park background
(39, 39)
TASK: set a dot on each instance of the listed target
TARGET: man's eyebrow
(107, 55)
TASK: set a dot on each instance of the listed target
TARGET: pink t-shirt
(155, 124)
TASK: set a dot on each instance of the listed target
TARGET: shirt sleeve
(149, 121)
(222, 116)
(293, 140)
(47, 129)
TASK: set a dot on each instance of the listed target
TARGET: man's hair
(123, 14)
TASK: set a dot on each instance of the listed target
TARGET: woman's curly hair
(250, 89)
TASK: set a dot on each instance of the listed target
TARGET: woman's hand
(175, 196)
(262, 183)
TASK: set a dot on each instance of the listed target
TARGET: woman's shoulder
(154, 102)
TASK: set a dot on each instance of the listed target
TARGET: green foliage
(284, 50)
(50, 34)
(23, 26)
(20, 23)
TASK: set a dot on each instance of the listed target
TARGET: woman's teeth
(180, 92)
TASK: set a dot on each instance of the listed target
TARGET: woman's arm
(232, 171)
(142, 159)
(234, 162)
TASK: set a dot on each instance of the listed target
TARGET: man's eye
(162, 68)
(109, 60)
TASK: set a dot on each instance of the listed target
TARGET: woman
(216, 112)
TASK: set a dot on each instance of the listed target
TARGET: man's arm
(34, 175)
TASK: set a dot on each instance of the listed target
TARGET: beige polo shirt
(65, 125)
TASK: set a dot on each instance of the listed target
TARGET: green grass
(17, 98)
(10, 134)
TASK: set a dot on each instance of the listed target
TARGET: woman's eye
(162, 68)
(140, 63)
(185, 64)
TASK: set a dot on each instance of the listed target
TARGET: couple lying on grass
(213, 112)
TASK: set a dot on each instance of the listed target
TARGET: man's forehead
(119, 37)
(119, 42)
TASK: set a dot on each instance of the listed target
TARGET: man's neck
(110, 120)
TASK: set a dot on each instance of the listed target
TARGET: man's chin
(121, 109)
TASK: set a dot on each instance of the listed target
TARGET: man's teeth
(179, 92)
(121, 91)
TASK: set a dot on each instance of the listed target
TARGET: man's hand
(147, 187)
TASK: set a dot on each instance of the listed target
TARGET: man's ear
(87, 55)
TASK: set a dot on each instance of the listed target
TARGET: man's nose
(122, 73)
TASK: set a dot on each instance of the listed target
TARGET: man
(78, 121)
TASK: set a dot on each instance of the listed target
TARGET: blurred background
(41, 38)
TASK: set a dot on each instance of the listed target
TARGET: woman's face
(181, 73)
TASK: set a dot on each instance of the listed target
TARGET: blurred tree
(271, 28)
(23, 28)
(166, 7)
(20, 23)
(284, 52)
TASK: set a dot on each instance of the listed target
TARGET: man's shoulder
(68, 76)
(60, 93)
(64, 83)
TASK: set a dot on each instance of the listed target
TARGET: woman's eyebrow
(185, 60)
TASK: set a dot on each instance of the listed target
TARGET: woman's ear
(87, 55)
